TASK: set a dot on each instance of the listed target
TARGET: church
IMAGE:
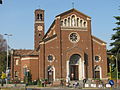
(67, 50)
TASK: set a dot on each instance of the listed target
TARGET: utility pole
(7, 66)
(117, 65)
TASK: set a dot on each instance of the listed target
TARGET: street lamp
(7, 69)
(117, 64)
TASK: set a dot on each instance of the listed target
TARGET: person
(76, 84)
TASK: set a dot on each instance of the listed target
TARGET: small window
(68, 21)
(65, 22)
(51, 57)
(97, 58)
(84, 24)
(74, 37)
(39, 16)
(61, 23)
(81, 23)
(77, 21)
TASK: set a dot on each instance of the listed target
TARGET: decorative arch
(74, 21)
(69, 23)
(51, 73)
(97, 71)
(65, 22)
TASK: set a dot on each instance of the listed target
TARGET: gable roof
(49, 29)
(71, 10)
(24, 52)
(97, 39)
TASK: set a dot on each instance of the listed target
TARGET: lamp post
(7, 69)
(117, 66)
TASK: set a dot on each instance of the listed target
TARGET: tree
(116, 36)
(116, 45)
(3, 46)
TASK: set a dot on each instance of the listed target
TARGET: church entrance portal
(74, 67)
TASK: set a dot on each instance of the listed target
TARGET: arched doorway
(50, 71)
(97, 72)
(74, 67)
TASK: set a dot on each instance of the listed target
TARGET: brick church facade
(66, 51)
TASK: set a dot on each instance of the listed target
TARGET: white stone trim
(50, 40)
(53, 73)
(58, 17)
(16, 57)
(74, 28)
(83, 69)
(98, 42)
(39, 21)
(80, 70)
(88, 18)
(67, 69)
(28, 58)
(73, 23)
(100, 72)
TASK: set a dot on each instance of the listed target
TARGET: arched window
(65, 22)
(73, 21)
(39, 16)
(85, 24)
(61, 23)
(77, 21)
(68, 21)
(81, 21)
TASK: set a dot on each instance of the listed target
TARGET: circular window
(51, 57)
(74, 37)
(97, 58)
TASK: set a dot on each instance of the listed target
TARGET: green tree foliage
(3, 46)
(116, 36)
(115, 51)
(2, 62)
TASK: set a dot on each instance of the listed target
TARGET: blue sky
(17, 18)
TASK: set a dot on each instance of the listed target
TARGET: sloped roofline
(73, 9)
(49, 29)
(62, 15)
(93, 37)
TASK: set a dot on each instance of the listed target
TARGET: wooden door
(74, 72)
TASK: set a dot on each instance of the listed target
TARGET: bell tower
(38, 27)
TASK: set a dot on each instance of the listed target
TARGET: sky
(17, 18)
